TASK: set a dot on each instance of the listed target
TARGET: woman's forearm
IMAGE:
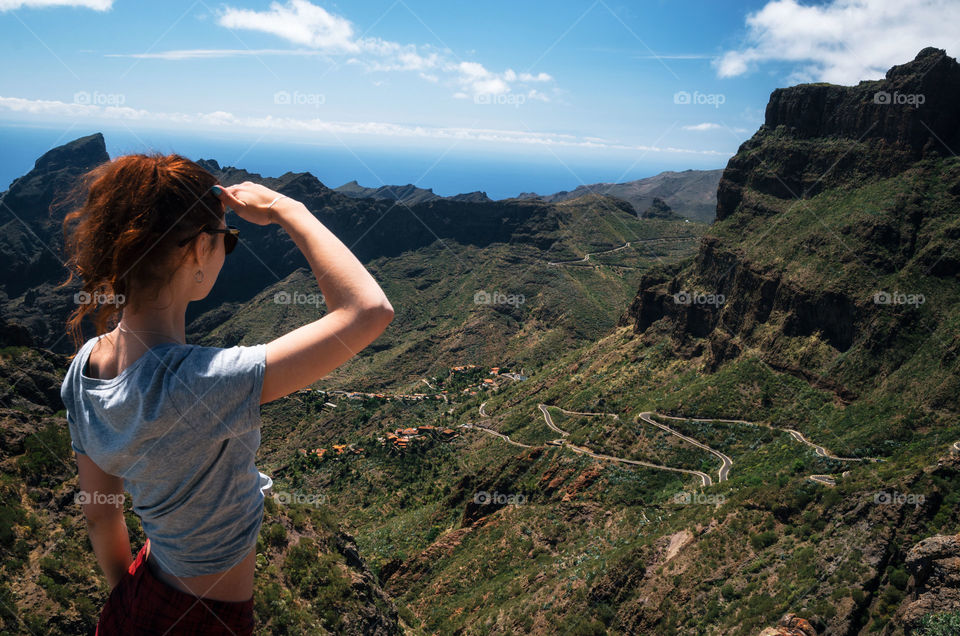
(344, 281)
(111, 544)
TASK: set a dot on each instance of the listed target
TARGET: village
(402, 440)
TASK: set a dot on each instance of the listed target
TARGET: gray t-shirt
(181, 426)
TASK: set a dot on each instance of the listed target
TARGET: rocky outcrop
(33, 210)
(934, 565)
(660, 210)
(877, 128)
(790, 625)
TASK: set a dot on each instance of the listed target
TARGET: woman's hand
(250, 200)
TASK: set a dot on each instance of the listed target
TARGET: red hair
(124, 237)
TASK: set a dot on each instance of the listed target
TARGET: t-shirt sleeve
(66, 396)
(217, 390)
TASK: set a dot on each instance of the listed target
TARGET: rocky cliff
(893, 122)
(834, 219)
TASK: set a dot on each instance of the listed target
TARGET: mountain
(810, 256)
(31, 238)
(692, 194)
(408, 194)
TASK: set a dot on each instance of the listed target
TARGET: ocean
(500, 173)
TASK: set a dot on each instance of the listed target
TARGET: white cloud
(842, 41)
(299, 22)
(319, 127)
(704, 126)
(307, 25)
(96, 5)
(709, 125)
(303, 23)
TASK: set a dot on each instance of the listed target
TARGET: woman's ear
(200, 250)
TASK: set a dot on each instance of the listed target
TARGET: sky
(672, 83)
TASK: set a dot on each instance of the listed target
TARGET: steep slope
(834, 245)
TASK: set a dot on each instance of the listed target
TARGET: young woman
(178, 425)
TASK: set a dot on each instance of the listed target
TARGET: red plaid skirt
(143, 604)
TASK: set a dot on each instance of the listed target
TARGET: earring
(198, 276)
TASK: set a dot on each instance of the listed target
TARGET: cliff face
(839, 198)
(910, 114)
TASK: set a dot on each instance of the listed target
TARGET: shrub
(276, 535)
(763, 540)
(943, 624)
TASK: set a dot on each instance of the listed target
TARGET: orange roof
(427, 427)
(487, 381)
(409, 431)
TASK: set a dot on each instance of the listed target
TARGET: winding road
(704, 478)
(586, 258)
(506, 438)
(823, 452)
(725, 462)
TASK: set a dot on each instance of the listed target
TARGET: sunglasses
(231, 236)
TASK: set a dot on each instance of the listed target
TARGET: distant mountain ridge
(691, 194)
(408, 194)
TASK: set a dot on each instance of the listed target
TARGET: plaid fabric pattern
(142, 604)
